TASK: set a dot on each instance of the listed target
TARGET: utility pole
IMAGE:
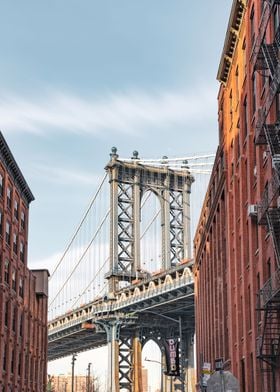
(88, 378)
(161, 371)
(73, 371)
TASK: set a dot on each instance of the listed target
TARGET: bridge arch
(150, 231)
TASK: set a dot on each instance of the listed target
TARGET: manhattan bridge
(125, 277)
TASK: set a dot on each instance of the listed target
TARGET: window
(21, 325)
(15, 241)
(22, 220)
(26, 366)
(6, 313)
(1, 185)
(7, 272)
(243, 377)
(230, 106)
(257, 235)
(250, 307)
(8, 233)
(237, 84)
(245, 118)
(16, 209)
(268, 269)
(19, 364)
(13, 361)
(252, 25)
(277, 106)
(244, 55)
(276, 18)
(21, 251)
(254, 93)
(9, 198)
(5, 358)
(14, 285)
(21, 288)
(14, 319)
(1, 223)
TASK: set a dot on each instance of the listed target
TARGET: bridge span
(134, 305)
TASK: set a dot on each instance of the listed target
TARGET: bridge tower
(129, 180)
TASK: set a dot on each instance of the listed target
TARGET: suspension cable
(82, 256)
(103, 265)
(165, 160)
(79, 225)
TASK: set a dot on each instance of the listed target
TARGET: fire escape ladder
(273, 217)
(272, 133)
(260, 137)
(271, 56)
(269, 339)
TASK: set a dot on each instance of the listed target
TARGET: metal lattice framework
(129, 181)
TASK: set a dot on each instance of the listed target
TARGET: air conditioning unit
(252, 210)
(255, 171)
(278, 202)
(265, 155)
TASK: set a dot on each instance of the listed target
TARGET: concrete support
(112, 331)
(137, 366)
(190, 371)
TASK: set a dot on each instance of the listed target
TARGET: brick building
(23, 293)
(237, 243)
(63, 383)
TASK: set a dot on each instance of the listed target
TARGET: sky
(78, 77)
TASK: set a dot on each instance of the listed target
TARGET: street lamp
(88, 380)
(73, 370)
(161, 371)
(179, 322)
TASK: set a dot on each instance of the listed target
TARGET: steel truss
(129, 181)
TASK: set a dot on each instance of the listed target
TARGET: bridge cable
(80, 225)
(82, 256)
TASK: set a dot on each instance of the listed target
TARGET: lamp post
(179, 322)
(161, 371)
(73, 371)
(88, 377)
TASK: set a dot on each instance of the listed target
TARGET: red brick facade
(238, 237)
(23, 297)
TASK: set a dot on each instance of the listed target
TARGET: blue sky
(78, 77)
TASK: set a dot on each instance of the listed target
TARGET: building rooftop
(9, 162)
(234, 24)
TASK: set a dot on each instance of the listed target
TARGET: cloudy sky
(78, 77)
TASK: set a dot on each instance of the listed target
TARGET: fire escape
(266, 58)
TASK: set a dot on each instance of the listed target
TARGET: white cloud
(64, 176)
(48, 262)
(129, 112)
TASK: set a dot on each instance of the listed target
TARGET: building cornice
(9, 162)
(232, 34)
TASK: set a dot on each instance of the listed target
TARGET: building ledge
(232, 34)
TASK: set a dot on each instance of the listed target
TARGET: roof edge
(12, 166)
(233, 29)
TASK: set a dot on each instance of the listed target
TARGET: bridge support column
(190, 363)
(137, 365)
(112, 331)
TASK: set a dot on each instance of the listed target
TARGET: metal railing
(270, 289)
(102, 309)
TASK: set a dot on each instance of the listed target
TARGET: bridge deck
(169, 293)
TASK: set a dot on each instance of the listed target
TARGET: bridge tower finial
(114, 154)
